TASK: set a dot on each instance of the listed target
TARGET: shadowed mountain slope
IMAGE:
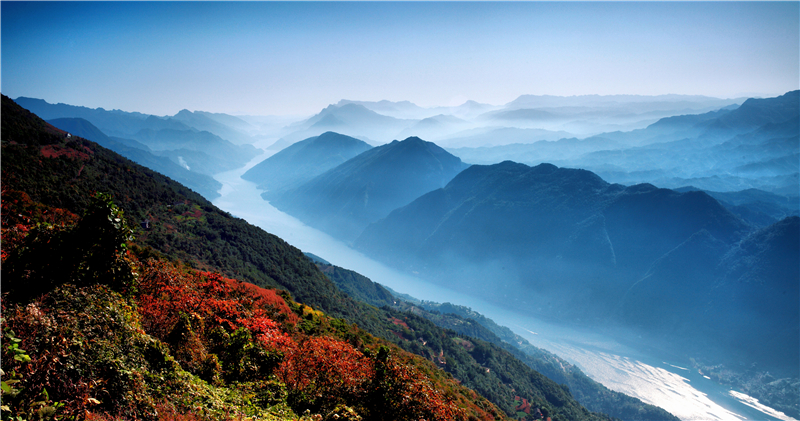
(345, 199)
(653, 259)
(303, 161)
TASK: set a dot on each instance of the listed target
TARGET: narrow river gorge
(668, 384)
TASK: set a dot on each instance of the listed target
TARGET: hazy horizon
(297, 58)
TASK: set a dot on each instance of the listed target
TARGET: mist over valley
(705, 277)
(400, 211)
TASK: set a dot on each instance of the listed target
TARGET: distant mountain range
(563, 243)
(142, 155)
(345, 199)
(197, 142)
(354, 119)
(754, 145)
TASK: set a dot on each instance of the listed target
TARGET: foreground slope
(177, 224)
(92, 331)
(468, 324)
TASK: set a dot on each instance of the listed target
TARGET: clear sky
(298, 57)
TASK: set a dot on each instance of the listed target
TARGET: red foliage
(55, 151)
(525, 406)
(398, 322)
(20, 214)
(326, 370)
(195, 213)
(165, 293)
(267, 298)
(409, 394)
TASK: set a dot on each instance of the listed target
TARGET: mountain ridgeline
(754, 145)
(563, 243)
(141, 154)
(304, 160)
(197, 142)
(345, 199)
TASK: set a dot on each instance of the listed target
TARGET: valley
(400, 211)
(631, 367)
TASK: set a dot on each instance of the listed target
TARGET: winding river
(668, 384)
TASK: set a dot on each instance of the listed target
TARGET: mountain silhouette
(303, 161)
(345, 199)
(646, 257)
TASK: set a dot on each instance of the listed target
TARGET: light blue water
(682, 392)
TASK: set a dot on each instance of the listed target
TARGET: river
(668, 384)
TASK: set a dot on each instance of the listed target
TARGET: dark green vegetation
(303, 161)
(652, 259)
(52, 174)
(588, 392)
(345, 199)
(484, 365)
(194, 141)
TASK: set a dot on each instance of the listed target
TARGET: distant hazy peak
(382, 102)
(184, 112)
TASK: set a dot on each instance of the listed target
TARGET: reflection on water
(683, 392)
(653, 385)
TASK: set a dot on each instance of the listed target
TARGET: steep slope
(304, 160)
(105, 335)
(345, 199)
(466, 322)
(176, 222)
(141, 154)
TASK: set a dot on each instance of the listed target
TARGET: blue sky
(298, 57)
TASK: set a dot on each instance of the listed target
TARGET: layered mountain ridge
(345, 199)
(303, 161)
(589, 249)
